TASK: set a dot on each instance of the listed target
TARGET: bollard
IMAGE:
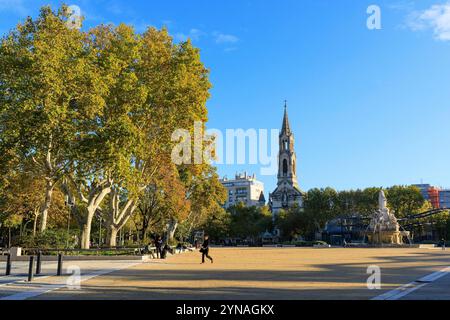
(8, 264)
(38, 263)
(60, 262)
(30, 269)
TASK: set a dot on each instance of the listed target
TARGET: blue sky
(368, 107)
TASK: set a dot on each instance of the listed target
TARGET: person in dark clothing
(158, 245)
(205, 250)
(165, 249)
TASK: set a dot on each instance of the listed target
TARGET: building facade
(244, 189)
(444, 198)
(287, 194)
(431, 194)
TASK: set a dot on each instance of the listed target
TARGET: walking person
(443, 244)
(205, 250)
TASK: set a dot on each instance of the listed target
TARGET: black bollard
(38, 263)
(30, 269)
(60, 263)
(8, 264)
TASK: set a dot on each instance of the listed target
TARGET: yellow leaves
(109, 97)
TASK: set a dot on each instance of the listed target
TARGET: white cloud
(225, 38)
(194, 35)
(436, 18)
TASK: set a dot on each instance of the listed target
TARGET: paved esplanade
(247, 273)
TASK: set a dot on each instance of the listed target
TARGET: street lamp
(100, 233)
(69, 205)
(100, 220)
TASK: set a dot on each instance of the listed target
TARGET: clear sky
(368, 107)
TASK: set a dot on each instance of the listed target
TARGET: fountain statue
(384, 227)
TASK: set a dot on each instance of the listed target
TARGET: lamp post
(100, 220)
(69, 205)
(100, 233)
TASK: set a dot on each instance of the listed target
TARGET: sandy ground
(262, 274)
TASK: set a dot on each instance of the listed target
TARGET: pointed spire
(262, 198)
(286, 129)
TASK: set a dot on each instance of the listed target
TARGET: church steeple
(288, 193)
(287, 159)
(286, 128)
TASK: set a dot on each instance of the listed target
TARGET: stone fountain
(384, 227)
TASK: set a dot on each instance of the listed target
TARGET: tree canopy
(91, 114)
(323, 205)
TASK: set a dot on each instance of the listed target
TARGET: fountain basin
(388, 237)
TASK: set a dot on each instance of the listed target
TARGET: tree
(150, 212)
(205, 193)
(363, 202)
(441, 223)
(217, 224)
(118, 140)
(173, 88)
(249, 222)
(163, 205)
(405, 200)
(321, 206)
(295, 222)
(93, 113)
(44, 71)
(22, 199)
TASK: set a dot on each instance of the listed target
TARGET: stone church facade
(288, 193)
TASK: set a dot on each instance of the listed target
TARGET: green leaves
(404, 201)
(323, 205)
(248, 221)
(98, 109)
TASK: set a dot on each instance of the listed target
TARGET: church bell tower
(287, 194)
(287, 160)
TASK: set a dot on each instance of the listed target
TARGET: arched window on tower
(286, 145)
(285, 167)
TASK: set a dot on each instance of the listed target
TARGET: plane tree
(44, 71)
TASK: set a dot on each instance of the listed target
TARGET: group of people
(161, 249)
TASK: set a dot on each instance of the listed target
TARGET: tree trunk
(144, 235)
(86, 229)
(34, 226)
(117, 216)
(47, 204)
(112, 236)
(171, 231)
(96, 197)
(86, 236)
(143, 231)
